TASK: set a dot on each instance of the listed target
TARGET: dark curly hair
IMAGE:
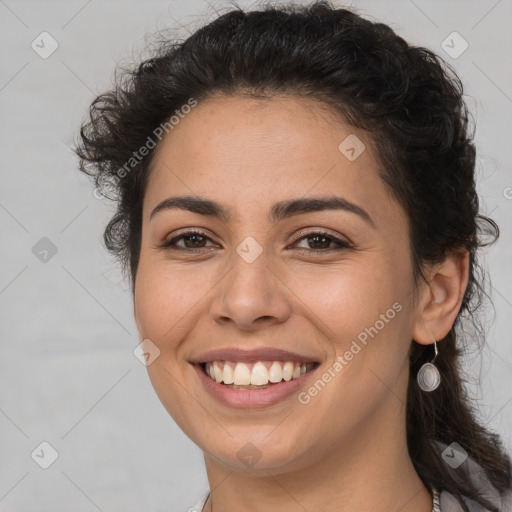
(410, 101)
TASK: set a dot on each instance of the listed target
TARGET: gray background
(68, 375)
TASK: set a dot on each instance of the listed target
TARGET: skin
(346, 449)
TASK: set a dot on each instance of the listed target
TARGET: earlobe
(441, 298)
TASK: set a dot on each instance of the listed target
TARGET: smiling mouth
(257, 375)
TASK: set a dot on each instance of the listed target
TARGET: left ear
(440, 298)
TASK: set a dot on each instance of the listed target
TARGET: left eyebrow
(279, 211)
(286, 209)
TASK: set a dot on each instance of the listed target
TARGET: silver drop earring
(428, 375)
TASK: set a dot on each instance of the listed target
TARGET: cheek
(164, 312)
(347, 298)
(363, 320)
(362, 313)
(165, 299)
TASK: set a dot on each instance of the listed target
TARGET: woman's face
(265, 278)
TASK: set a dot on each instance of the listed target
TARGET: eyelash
(171, 244)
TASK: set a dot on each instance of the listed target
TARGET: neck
(363, 472)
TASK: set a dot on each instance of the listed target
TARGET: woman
(298, 217)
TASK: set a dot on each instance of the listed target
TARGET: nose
(252, 295)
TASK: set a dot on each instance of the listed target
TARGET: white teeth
(217, 372)
(275, 373)
(288, 371)
(227, 374)
(240, 374)
(259, 375)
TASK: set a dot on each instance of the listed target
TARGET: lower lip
(251, 398)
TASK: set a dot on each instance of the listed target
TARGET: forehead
(249, 152)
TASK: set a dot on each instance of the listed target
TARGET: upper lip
(252, 356)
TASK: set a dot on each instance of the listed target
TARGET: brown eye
(191, 240)
(319, 241)
(195, 240)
